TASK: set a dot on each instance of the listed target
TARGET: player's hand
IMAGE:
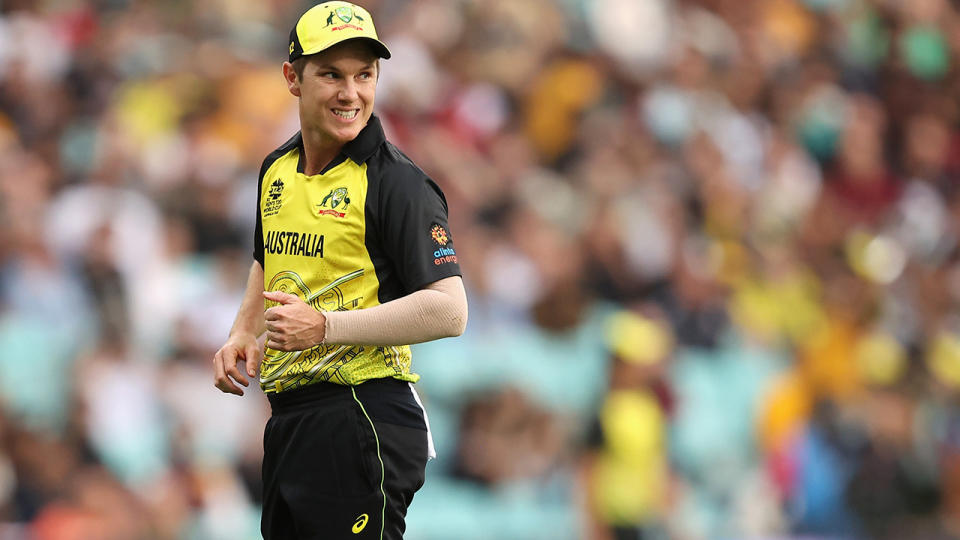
(239, 349)
(293, 325)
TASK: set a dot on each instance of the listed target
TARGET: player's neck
(318, 152)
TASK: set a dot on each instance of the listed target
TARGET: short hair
(298, 65)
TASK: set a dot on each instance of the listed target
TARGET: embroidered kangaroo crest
(329, 205)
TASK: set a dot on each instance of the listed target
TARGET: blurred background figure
(711, 248)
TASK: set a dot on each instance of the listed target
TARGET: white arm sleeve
(439, 310)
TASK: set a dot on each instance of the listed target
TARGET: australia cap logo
(345, 14)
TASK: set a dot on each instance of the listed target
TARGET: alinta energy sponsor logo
(444, 254)
(346, 16)
(330, 204)
(439, 235)
(274, 202)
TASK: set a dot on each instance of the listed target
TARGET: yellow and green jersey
(370, 228)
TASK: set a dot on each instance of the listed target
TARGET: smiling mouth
(346, 115)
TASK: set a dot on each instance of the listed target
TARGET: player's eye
(329, 75)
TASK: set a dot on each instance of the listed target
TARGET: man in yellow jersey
(353, 261)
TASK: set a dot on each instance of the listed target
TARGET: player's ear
(293, 81)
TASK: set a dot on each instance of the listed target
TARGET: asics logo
(360, 523)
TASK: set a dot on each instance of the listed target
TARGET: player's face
(337, 91)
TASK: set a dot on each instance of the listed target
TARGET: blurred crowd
(710, 246)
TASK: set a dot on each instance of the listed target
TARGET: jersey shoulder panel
(392, 159)
(398, 176)
(408, 237)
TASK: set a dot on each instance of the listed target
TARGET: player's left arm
(438, 310)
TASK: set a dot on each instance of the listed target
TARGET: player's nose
(348, 90)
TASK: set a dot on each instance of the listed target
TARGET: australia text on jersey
(293, 243)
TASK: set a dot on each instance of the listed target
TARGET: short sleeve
(414, 230)
(258, 229)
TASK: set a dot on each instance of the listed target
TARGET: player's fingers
(282, 297)
(271, 314)
(221, 381)
(253, 356)
(277, 335)
(272, 326)
(233, 371)
(276, 345)
(218, 367)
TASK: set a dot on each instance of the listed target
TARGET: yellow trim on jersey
(314, 245)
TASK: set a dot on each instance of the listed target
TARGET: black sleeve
(413, 228)
(258, 229)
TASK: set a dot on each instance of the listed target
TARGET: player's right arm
(242, 347)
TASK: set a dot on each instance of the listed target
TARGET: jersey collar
(366, 143)
(359, 149)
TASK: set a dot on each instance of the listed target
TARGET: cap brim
(379, 47)
(376, 45)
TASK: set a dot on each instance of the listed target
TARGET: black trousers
(342, 462)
